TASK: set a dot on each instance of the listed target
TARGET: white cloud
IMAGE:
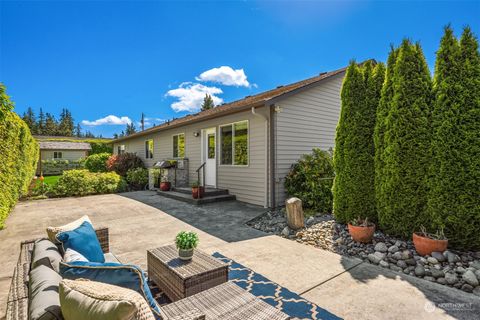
(190, 96)
(225, 75)
(108, 120)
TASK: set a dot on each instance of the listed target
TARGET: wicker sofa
(225, 301)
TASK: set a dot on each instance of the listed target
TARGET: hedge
(98, 145)
(97, 162)
(84, 182)
(18, 156)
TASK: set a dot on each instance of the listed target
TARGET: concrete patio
(138, 221)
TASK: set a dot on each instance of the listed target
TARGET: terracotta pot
(165, 186)
(426, 246)
(201, 191)
(361, 234)
(185, 254)
(195, 192)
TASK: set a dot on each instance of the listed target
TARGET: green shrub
(354, 188)
(18, 156)
(137, 177)
(100, 147)
(84, 182)
(121, 163)
(311, 179)
(455, 172)
(97, 162)
(186, 240)
(407, 136)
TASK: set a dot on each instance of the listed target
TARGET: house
(60, 150)
(248, 145)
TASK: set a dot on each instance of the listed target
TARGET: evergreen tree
(51, 125)
(130, 129)
(78, 131)
(353, 191)
(41, 123)
(115, 136)
(455, 171)
(29, 118)
(208, 102)
(378, 137)
(407, 137)
(89, 134)
(66, 125)
(5, 104)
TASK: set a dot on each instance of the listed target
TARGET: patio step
(210, 197)
(209, 192)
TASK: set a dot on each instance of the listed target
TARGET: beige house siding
(70, 155)
(306, 120)
(246, 182)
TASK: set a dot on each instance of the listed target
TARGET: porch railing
(202, 167)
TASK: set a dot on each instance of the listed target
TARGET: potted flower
(196, 190)
(164, 184)
(361, 230)
(186, 241)
(425, 243)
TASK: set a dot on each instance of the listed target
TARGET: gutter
(265, 154)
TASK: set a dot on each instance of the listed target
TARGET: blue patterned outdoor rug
(274, 294)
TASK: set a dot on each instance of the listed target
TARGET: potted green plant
(361, 230)
(425, 243)
(165, 184)
(186, 241)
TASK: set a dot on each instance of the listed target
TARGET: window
(211, 146)
(179, 145)
(149, 149)
(234, 144)
(121, 149)
(57, 155)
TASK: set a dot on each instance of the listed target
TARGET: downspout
(272, 156)
(266, 153)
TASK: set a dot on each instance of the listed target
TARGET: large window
(179, 145)
(149, 149)
(121, 149)
(234, 144)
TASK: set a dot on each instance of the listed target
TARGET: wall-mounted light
(196, 134)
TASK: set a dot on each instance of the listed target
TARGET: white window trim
(153, 149)
(233, 145)
(57, 152)
(184, 145)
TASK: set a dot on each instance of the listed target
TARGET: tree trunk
(295, 219)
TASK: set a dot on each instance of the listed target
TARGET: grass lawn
(50, 180)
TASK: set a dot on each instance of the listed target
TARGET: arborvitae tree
(379, 131)
(51, 125)
(41, 122)
(130, 129)
(346, 205)
(455, 173)
(407, 139)
(5, 104)
(208, 102)
(29, 118)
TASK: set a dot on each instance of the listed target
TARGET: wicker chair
(225, 301)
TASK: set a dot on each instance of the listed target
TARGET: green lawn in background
(50, 180)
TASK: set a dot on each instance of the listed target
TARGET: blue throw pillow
(122, 275)
(83, 240)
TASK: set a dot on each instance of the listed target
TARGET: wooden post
(295, 219)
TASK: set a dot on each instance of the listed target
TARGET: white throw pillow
(72, 256)
(83, 299)
(53, 231)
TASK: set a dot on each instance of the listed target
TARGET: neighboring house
(61, 150)
(249, 145)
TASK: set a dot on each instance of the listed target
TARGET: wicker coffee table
(179, 279)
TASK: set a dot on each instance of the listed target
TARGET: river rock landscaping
(452, 268)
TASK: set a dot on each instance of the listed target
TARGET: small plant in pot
(186, 241)
(197, 190)
(425, 243)
(361, 230)
(164, 184)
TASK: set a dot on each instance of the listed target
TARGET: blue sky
(120, 58)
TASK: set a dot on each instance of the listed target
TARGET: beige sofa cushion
(89, 300)
(53, 231)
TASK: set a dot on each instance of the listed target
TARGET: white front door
(210, 156)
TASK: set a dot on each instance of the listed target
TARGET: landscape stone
(286, 231)
(476, 264)
(419, 271)
(395, 268)
(441, 281)
(470, 278)
(467, 288)
(411, 262)
(432, 279)
(432, 260)
(376, 257)
(451, 257)
(401, 264)
(437, 273)
(381, 247)
(397, 256)
(384, 264)
(439, 256)
(460, 270)
(393, 249)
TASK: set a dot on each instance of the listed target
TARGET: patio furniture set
(197, 289)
